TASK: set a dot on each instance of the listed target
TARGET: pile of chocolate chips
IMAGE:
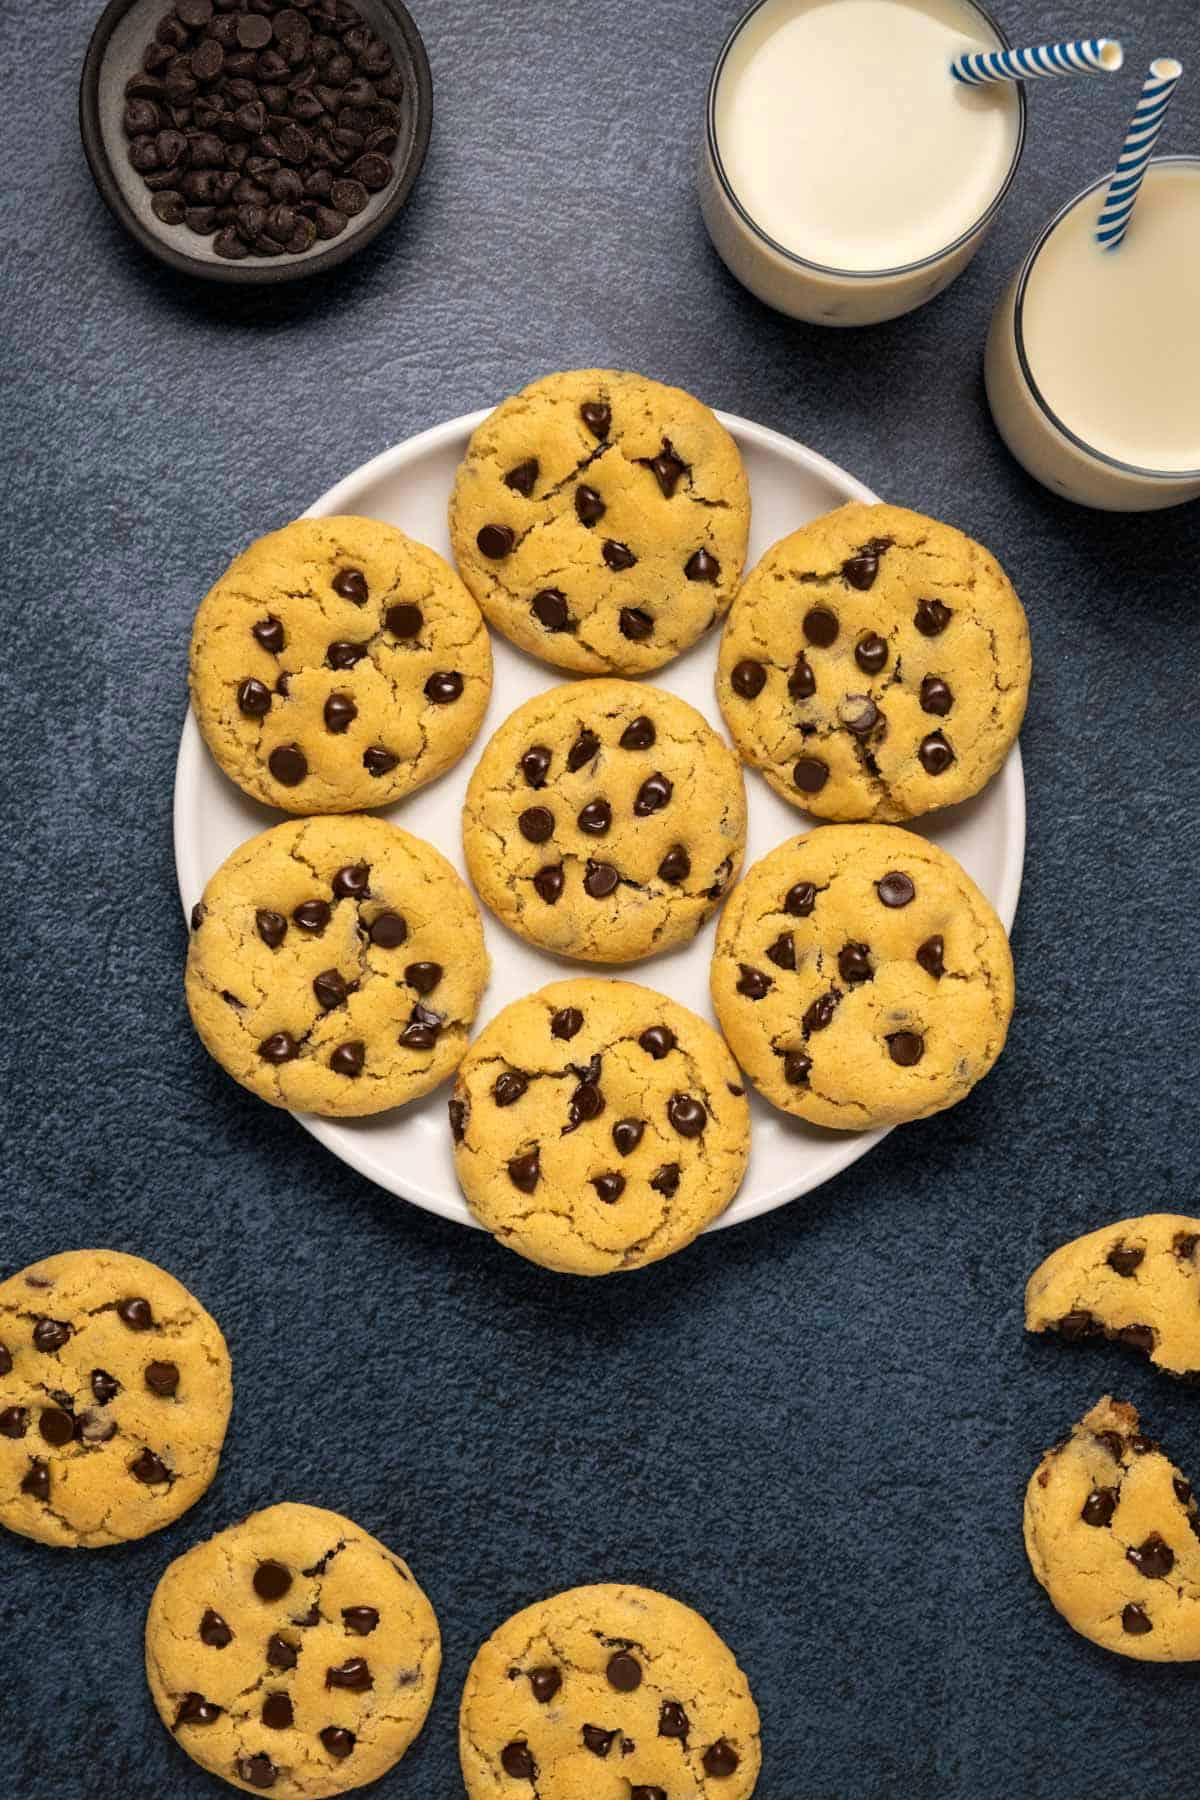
(264, 122)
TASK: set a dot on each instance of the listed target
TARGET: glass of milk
(1093, 358)
(846, 177)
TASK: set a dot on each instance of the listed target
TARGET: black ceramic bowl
(115, 53)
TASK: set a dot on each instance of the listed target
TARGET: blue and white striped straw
(1082, 56)
(1144, 127)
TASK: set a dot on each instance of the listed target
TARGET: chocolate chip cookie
(598, 1126)
(875, 665)
(600, 519)
(1112, 1529)
(292, 1654)
(861, 978)
(608, 1691)
(335, 966)
(115, 1391)
(1137, 1281)
(605, 821)
(338, 664)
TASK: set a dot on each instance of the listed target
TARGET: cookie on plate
(605, 821)
(115, 1391)
(338, 664)
(600, 519)
(1112, 1529)
(1137, 1281)
(292, 1653)
(861, 978)
(875, 665)
(335, 966)
(608, 1690)
(598, 1126)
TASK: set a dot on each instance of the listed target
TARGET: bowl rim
(262, 273)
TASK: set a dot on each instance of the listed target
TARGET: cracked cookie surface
(292, 1654)
(338, 664)
(115, 1391)
(1112, 1529)
(335, 966)
(605, 820)
(600, 519)
(598, 1126)
(1137, 1281)
(609, 1692)
(861, 978)
(875, 665)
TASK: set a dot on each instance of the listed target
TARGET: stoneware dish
(115, 53)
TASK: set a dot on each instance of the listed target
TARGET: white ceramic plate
(408, 1151)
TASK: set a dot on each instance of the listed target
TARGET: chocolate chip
(253, 698)
(1154, 1558)
(931, 617)
(810, 774)
(272, 1580)
(353, 1674)
(936, 696)
(796, 1068)
(516, 1759)
(617, 556)
(549, 608)
(288, 764)
(214, 1631)
(36, 1482)
(337, 1740)
(624, 1672)
(1137, 1337)
(253, 31)
(906, 1048)
(135, 1313)
(931, 955)
(720, 1758)
(587, 1102)
(258, 1770)
(672, 1721)
(94, 1428)
(871, 652)
(444, 687)
(859, 714)
(854, 962)
(666, 1181)
(896, 889)
(1099, 1506)
(627, 1135)
(277, 1712)
(339, 713)
(860, 571)
(349, 1057)
(194, 1709)
(589, 507)
(423, 1029)
(657, 1041)
(351, 584)
(524, 1171)
(14, 1421)
(281, 1654)
(1125, 1262)
(403, 621)
(935, 753)
(272, 927)
(388, 930)
(548, 883)
(802, 682)
(820, 626)
(56, 1426)
(535, 765)
(5, 1360)
(643, 1792)
(459, 1113)
(50, 1334)
(667, 468)
(819, 1015)
(350, 882)
(639, 734)
(1186, 1245)
(196, 919)
(675, 866)
(1183, 1492)
(360, 1619)
(687, 1115)
(635, 624)
(600, 880)
(423, 976)
(1074, 1326)
(106, 1387)
(536, 824)
(597, 416)
(1135, 1621)
(508, 1087)
(609, 1187)
(312, 915)
(566, 1022)
(582, 750)
(748, 679)
(800, 899)
(701, 565)
(597, 1740)
(161, 1378)
(342, 654)
(783, 951)
(522, 478)
(653, 795)
(377, 761)
(595, 818)
(753, 983)
(545, 1684)
(149, 1469)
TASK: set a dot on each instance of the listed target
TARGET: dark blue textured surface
(816, 1428)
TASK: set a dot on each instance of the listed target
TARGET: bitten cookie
(598, 1126)
(861, 978)
(335, 966)
(115, 1391)
(875, 665)
(292, 1654)
(608, 1693)
(600, 519)
(338, 664)
(605, 820)
(1113, 1534)
(1137, 1281)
